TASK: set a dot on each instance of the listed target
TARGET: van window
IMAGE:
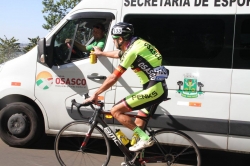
(188, 40)
(75, 31)
(242, 42)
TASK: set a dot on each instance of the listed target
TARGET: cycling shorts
(147, 99)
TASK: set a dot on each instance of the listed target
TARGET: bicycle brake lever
(86, 95)
(72, 103)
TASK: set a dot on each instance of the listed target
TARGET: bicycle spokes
(173, 148)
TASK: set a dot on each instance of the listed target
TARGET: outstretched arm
(110, 54)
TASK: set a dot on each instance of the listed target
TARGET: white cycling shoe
(141, 145)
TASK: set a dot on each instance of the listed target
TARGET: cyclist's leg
(118, 112)
(141, 99)
(139, 122)
(144, 113)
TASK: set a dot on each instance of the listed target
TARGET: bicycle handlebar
(79, 105)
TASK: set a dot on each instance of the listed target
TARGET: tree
(56, 11)
(33, 43)
(9, 49)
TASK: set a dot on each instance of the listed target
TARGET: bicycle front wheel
(174, 148)
(71, 137)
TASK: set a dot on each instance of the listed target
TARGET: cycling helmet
(122, 29)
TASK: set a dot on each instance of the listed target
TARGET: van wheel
(20, 125)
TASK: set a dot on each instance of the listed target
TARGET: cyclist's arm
(110, 54)
(110, 81)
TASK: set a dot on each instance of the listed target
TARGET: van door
(240, 92)
(71, 74)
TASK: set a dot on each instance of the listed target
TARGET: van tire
(20, 125)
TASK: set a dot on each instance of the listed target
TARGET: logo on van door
(44, 80)
(190, 87)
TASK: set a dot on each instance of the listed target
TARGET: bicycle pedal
(124, 164)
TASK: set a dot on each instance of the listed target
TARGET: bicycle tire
(67, 145)
(178, 148)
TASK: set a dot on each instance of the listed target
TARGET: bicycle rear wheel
(177, 148)
(68, 146)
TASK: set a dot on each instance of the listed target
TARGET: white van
(205, 45)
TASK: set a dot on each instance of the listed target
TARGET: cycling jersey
(145, 60)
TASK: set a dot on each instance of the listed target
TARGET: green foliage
(9, 49)
(56, 11)
(33, 43)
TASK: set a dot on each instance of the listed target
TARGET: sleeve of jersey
(119, 71)
(126, 61)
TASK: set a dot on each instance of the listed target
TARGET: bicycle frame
(162, 154)
(97, 119)
(132, 158)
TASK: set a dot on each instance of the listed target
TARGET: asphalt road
(42, 154)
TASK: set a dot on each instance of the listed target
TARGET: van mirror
(42, 50)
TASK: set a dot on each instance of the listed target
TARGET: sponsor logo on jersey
(153, 51)
(147, 69)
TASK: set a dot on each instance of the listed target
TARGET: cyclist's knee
(114, 112)
(118, 110)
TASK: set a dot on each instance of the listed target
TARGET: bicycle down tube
(109, 132)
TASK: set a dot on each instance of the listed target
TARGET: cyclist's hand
(98, 51)
(93, 99)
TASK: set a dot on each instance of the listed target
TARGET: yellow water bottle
(122, 137)
(93, 57)
(135, 138)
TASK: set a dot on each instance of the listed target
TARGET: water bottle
(93, 57)
(135, 138)
(122, 137)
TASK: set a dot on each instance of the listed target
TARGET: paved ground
(42, 154)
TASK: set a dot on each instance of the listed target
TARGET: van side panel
(196, 42)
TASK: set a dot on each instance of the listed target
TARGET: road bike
(86, 142)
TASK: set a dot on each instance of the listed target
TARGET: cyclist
(146, 61)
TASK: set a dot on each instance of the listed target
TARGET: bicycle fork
(88, 135)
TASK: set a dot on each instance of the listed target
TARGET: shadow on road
(47, 143)
(209, 157)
